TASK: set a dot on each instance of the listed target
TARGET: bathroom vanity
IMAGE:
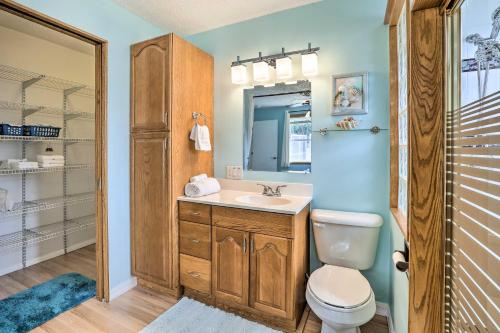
(246, 253)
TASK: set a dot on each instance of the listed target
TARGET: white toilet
(337, 292)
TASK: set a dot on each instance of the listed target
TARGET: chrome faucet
(269, 192)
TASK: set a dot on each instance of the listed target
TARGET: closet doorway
(53, 177)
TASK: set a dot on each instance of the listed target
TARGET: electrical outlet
(234, 172)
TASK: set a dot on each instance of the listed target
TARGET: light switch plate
(234, 172)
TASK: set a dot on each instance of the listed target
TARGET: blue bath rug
(32, 307)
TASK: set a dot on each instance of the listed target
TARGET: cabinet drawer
(195, 273)
(194, 212)
(194, 239)
(272, 224)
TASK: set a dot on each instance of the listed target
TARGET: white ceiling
(193, 16)
(23, 25)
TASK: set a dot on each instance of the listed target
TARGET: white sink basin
(262, 200)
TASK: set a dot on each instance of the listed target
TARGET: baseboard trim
(122, 288)
(45, 257)
(383, 309)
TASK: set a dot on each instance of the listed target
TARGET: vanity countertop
(286, 204)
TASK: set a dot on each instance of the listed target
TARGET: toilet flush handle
(319, 225)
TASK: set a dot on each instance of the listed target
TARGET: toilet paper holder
(400, 259)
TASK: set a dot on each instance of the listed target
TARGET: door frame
(101, 88)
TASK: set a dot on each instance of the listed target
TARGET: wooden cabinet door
(270, 275)
(149, 200)
(149, 77)
(230, 265)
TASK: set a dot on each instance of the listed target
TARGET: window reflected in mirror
(278, 128)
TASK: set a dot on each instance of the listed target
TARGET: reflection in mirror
(278, 128)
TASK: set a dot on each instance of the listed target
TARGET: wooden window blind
(473, 217)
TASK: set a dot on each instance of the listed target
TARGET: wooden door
(149, 199)
(230, 265)
(270, 275)
(149, 79)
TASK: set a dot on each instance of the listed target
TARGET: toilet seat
(339, 287)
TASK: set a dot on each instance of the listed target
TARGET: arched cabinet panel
(149, 86)
(270, 265)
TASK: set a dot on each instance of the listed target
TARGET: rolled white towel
(202, 188)
(198, 178)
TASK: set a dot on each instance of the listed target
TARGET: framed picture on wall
(350, 94)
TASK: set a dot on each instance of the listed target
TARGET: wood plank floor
(129, 313)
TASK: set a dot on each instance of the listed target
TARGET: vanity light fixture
(282, 62)
(284, 66)
(239, 72)
(261, 70)
(310, 62)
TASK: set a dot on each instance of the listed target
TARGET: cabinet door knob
(195, 213)
(195, 241)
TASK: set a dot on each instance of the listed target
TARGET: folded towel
(201, 137)
(47, 158)
(21, 165)
(50, 164)
(202, 188)
(197, 178)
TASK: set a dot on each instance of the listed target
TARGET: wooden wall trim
(101, 86)
(49, 22)
(393, 11)
(426, 208)
(426, 4)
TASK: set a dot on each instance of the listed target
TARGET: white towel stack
(201, 185)
(201, 137)
(50, 161)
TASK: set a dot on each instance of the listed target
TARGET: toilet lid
(339, 286)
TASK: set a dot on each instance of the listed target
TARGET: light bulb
(284, 68)
(239, 74)
(309, 64)
(260, 71)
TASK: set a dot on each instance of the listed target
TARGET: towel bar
(197, 115)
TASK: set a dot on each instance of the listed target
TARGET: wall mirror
(278, 128)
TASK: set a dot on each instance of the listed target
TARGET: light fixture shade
(284, 68)
(309, 64)
(260, 71)
(239, 74)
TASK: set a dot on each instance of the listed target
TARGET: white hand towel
(202, 188)
(197, 178)
(201, 137)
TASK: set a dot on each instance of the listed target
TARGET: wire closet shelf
(33, 206)
(32, 236)
(29, 109)
(29, 78)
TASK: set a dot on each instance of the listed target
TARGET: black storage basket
(6, 129)
(43, 131)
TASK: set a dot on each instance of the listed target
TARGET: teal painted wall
(120, 28)
(350, 170)
(399, 284)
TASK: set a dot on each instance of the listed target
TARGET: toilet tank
(346, 239)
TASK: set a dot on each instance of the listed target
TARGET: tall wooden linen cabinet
(170, 79)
